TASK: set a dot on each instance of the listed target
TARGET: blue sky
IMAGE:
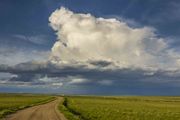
(30, 18)
(32, 61)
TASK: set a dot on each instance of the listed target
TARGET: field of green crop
(121, 108)
(10, 103)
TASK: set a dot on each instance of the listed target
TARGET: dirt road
(47, 111)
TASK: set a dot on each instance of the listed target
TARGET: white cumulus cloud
(83, 37)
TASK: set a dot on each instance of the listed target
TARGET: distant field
(10, 103)
(121, 108)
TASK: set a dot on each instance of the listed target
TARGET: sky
(97, 47)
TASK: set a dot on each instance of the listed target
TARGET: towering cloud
(83, 38)
(103, 55)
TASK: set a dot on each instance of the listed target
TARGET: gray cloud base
(121, 81)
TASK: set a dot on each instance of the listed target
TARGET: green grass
(10, 103)
(121, 108)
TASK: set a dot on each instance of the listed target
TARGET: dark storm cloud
(101, 63)
(31, 72)
(83, 80)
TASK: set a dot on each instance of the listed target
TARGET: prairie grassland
(10, 103)
(121, 108)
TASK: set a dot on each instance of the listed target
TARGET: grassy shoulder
(68, 113)
(121, 108)
(10, 103)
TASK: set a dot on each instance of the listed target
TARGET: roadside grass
(10, 103)
(121, 108)
(67, 111)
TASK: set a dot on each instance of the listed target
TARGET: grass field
(121, 108)
(10, 103)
